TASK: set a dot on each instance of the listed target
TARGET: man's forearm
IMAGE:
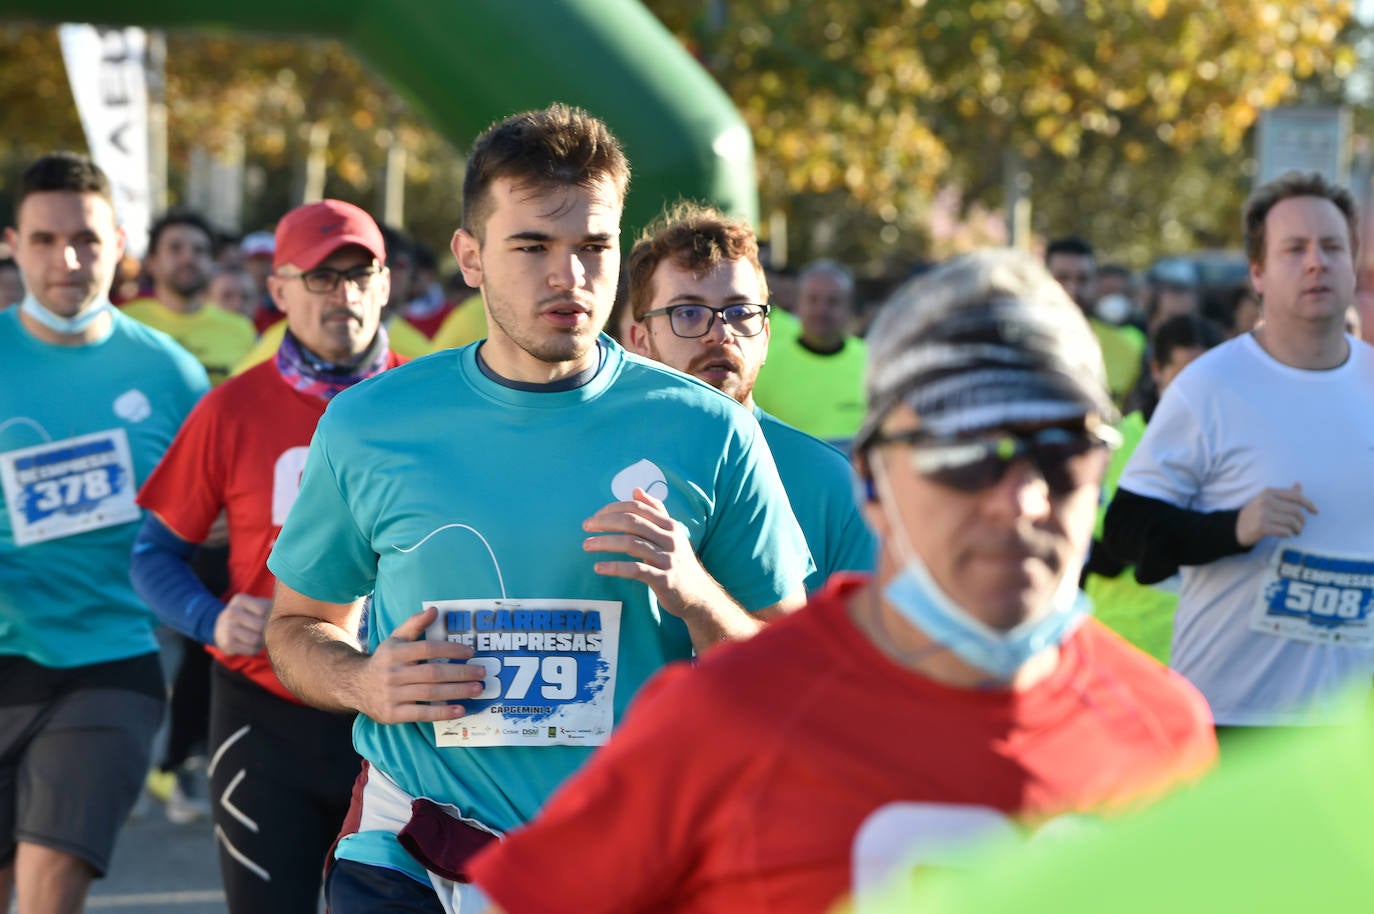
(710, 626)
(725, 620)
(320, 662)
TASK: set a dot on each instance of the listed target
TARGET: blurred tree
(876, 122)
(263, 95)
(37, 113)
(1130, 116)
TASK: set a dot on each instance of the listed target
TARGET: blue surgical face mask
(78, 323)
(914, 593)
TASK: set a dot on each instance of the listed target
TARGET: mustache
(561, 300)
(1028, 541)
(717, 355)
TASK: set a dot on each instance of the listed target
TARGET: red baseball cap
(309, 234)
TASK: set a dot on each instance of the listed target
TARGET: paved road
(160, 868)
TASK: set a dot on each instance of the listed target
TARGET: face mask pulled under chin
(922, 602)
(78, 323)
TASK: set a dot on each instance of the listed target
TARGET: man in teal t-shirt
(697, 295)
(89, 400)
(505, 506)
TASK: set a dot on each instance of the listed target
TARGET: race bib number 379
(550, 670)
(67, 487)
(1319, 599)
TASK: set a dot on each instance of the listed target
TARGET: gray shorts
(75, 747)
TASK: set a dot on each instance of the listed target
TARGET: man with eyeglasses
(698, 296)
(960, 693)
(282, 771)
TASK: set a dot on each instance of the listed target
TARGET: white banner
(1307, 138)
(107, 67)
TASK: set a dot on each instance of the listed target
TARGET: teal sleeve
(856, 547)
(193, 376)
(321, 551)
(753, 546)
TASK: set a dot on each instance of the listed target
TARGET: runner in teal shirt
(540, 521)
(89, 401)
(498, 513)
(92, 421)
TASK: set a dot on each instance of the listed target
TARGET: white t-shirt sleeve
(1170, 463)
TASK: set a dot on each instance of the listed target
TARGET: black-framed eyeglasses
(693, 321)
(326, 279)
(1065, 458)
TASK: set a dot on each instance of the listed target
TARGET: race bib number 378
(67, 487)
(550, 670)
(1319, 599)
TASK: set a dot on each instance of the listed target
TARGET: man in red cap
(282, 772)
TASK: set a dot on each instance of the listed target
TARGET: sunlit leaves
(256, 96)
(884, 103)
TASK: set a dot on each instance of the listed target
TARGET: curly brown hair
(696, 238)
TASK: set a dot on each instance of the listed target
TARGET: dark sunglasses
(1066, 459)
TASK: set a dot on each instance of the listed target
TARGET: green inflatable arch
(467, 63)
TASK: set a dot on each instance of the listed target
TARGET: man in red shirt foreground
(960, 690)
(281, 773)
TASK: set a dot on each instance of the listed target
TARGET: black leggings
(187, 708)
(280, 779)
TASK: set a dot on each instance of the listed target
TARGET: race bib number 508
(550, 670)
(1319, 599)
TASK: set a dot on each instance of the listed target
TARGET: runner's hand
(661, 552)
(238, 627)
(400, 685)
(1273, 512)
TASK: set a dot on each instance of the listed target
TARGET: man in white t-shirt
(1251, 476)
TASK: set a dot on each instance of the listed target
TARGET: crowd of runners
(575, 584)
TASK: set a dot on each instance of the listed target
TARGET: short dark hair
(8, 263)
(62, 171)
(1183, 331)
(400, 249)
(424, 256)
(558, 145)
(1114, 268)
(1069, 244)
(1231, 300)
(696, 238)
(173, 218)
(1285, 186)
